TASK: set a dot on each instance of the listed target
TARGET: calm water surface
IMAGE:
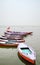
(10, 56)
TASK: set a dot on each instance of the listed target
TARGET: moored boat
(17, 33)
(27, 53)
(4, 44)
(10, 43)
(12, 37)
(10, 32)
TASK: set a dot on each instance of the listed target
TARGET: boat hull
(26, 58)
(9, 45)
(4, 40)
(12, 37)
(17, 33)
(27, 53)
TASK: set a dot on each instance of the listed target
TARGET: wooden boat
(12, 37)
(4, 44)
(10, 43)
(4, 40)
(27, 53)
(10, 32)
(17, 33)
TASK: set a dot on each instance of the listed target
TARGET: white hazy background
(20, 12)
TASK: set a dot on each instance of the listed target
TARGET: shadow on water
(8, 47)
(24, 61)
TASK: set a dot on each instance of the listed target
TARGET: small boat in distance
(27, 53)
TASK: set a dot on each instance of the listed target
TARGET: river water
(10, 56)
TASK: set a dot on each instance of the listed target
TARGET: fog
(20, 12)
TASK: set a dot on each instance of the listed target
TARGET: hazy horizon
(20, 12)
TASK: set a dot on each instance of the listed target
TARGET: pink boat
(10, 32)
(17, 33)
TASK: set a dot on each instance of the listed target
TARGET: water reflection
(8, 46)
(24, 61)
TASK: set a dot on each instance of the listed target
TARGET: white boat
(27, 53)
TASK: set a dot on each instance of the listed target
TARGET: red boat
(27, 53)
(10, 43)
(3, 44)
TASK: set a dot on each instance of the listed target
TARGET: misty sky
(20, 12)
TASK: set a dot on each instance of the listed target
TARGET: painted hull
(17, 33)
(5, 40)
(25, 56)
(16, 37)
(12, 37)
(10, 43)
